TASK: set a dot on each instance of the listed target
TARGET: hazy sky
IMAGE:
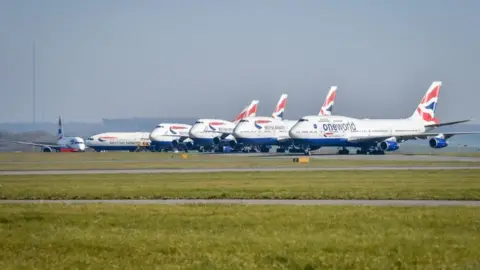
(117, 58)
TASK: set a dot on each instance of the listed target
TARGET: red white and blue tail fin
(60, 129)
(425, 111)
(250, 110)
(327, 106)
(280, 108)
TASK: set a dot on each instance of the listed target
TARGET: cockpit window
(244, 121)
(199, 122)
(90, 139)
(303, 120)
(160, 126)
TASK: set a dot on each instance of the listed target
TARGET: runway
(258, 202)
(383, 157)
(256, 169)
(266, 156)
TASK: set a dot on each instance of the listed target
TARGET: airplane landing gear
(265, 149)
(377, 152)
(362, 151)
(343, 151)
(372, 151)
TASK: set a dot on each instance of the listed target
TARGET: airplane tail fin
(60, 128)
(327, 107)
(280, 108)
(250, 110)
(425, 111)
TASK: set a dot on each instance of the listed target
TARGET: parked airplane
(118, 141)
(64, 144)
(171, 136)
(277, 114)
(266, 131)
(374, 136)
(209, 134)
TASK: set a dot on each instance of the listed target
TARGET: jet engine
(219, 141)
(437, 143)
(175, 143)
(388, 146)
(232, 143)
(216, 140)
(46, 149)
(189, 145)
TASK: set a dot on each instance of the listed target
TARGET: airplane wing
(447, 123)
(40, 144)
(403, 138)
(183, 138)
(224, 135)
(284, 140)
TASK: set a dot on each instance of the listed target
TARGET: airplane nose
(81, 147)
(237, 131)
(195, 130)
(153, 135)
(293, 132)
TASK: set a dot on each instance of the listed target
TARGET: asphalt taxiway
(254, 169)
(387, 157)
(258, 202)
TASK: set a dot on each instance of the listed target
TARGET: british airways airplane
(252, 145)
(374, 136)
(266, 131)
(64, 144)
(117, 141)
(170, 136)
(210, 134)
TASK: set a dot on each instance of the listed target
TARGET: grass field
(79, 161)
(454, 184)
(93, 156)
(252, 163)
(238, 237)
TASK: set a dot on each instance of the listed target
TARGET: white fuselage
(260, 130)
(166, 135)
(337, 130)
(204, 131)
(75, 144)
(118, 141)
